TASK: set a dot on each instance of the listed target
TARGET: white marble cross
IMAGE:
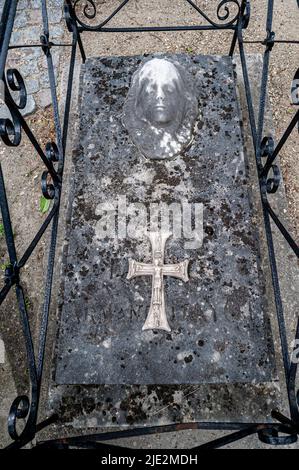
(156, 318)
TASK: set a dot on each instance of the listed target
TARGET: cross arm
(139, 269)
(179, 270)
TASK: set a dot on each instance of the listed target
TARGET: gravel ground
(22, 168)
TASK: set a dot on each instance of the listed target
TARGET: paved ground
(23, 176)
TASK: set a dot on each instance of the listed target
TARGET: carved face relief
(160, 109)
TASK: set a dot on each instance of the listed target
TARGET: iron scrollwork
(223, 13)
(270, 152)
(227, 13)
(48, 186)
(24, 408)
(10, 129)
(270, 183)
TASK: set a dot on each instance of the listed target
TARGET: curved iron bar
(270, 184)
(25, 407)
(295, 89)
(269, 434)
(10, 132)
(275, 41)
(268, 150)
(265, 147)
(38, 236)
(14, 127)
(282, 228)
(89, 11)
(223, 5)
(72, 27)
(13, 269)
(11, 274)
(90, 16)
(294, 392)
(6, 26)
(243, 21)
(242, 430)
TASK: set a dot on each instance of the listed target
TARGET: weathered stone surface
(30, 106)
(44, 98)
(28, 69)
(32, 85)
(56, 31)
(55, 14)
(20, 20)
(139, 405)
(219, 319)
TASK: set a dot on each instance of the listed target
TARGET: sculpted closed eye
(149, 89)
(170, 89)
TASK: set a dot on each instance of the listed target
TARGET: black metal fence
(80, 16)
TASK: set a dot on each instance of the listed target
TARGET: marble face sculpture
(160, 109)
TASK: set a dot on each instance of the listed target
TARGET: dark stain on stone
(188, 359)
(235, 301)
(209, 230)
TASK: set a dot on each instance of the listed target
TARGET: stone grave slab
(219, 319)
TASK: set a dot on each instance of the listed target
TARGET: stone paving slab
(220, 319)
(153, 405)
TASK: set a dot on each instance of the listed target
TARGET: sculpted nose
(160, 94)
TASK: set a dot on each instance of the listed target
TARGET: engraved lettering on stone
(157, 318)
(161, 109)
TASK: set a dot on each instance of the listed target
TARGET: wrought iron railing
(80, 16)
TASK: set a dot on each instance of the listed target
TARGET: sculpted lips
(160, 107)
